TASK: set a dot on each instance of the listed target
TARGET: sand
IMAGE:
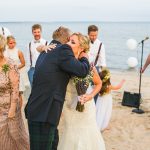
(128, 130)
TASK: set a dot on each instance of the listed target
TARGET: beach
(128, 130)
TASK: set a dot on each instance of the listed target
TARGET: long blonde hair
(2, 45)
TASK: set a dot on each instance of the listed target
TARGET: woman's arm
(146, 63)
(117, 87)
(69, 64)
(97, 86)
(22, 60)
(14, 81)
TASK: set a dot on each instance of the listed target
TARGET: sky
(74, 10)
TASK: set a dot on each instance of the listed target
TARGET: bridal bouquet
(82, 85)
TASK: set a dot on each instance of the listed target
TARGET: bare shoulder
(20, 52)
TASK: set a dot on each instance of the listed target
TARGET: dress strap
(97, 56)
(30, 54)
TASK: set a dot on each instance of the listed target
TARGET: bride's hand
(83, 54)
(86, 97)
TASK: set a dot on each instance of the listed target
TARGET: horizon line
(75, 21)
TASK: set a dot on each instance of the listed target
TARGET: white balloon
(4, 31)
(131, 44)
(132, 62)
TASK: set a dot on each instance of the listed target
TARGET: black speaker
(131, 99)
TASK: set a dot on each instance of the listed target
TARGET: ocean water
(114, 36)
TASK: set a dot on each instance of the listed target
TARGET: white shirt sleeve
(102, 58)
(27, 58)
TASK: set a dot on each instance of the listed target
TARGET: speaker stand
(138, 111)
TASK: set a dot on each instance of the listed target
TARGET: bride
(80, 130)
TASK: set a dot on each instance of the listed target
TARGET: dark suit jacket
(50, 80)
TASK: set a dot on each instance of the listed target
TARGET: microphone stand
(138, 110)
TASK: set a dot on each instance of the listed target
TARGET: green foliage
(82, 85)
(5, 68)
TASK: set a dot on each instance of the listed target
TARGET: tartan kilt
(41, 135)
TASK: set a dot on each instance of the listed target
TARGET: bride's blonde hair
(83, 41)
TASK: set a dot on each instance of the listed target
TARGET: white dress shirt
(34, 52)
(93, 53)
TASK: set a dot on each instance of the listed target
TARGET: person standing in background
(97, 50)
(95, 45)
(32, 53)
(17, 56)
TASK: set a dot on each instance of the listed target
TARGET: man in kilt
(52, 73)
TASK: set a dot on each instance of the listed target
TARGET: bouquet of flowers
(82, 85)
(5, 68)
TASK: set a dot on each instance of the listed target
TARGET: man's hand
(50, 47)
(83, 54)
(42, 48)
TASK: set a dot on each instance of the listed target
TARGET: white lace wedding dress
(80, 130)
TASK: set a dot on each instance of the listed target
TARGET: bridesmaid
(17, 56)
(12, 130)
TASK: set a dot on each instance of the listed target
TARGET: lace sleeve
(14, 83)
